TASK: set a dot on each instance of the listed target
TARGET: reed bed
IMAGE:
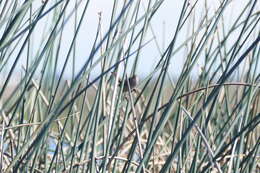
(203, 119)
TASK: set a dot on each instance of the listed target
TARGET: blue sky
(163, 25)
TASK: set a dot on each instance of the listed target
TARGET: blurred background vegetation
(196, 109)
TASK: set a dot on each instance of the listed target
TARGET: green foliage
(88, 123)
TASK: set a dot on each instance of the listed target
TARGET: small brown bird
(133, 81)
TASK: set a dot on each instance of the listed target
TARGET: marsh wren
(133, 81)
